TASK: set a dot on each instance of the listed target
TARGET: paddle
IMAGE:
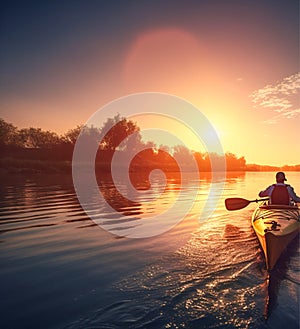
(239, 203)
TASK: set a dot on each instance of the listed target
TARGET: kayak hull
(275, 227)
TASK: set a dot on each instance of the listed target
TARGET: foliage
(26, 137)
(184, 156)
(115, 130)
(233, 163)
(71, 135)
(39, 145)
(8, 133)
(37, 138)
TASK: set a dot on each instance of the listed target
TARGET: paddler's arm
(293, 195)
(266, 192)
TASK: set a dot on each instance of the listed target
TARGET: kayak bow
(275, 226)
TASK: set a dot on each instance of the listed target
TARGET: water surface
(60, 270)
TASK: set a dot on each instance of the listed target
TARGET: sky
(237, 61)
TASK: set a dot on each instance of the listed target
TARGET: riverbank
(27, 166)
(11, 165)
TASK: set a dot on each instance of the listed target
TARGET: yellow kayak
(275, 226)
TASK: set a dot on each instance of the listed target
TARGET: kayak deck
(275, 226)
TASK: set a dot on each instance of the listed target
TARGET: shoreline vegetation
(11, 165)
(32, 150)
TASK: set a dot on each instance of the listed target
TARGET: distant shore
(33, 150)
(9, 165)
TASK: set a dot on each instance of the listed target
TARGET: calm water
(60, 270)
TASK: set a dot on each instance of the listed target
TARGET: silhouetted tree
(184, 156)
(203, 161)
(37, 138)
(234, 163)
(8, 133)
(71, 135)
(118, 129)
(134, 143)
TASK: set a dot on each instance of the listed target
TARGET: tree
(184, 156)
(8, 133)
(203, 161)
(134, 143)
(72, 134)
(234, 163)
(116, 129)
(37, 138)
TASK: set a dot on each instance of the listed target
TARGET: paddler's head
(280, 177)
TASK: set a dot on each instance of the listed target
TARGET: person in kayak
(280, 193)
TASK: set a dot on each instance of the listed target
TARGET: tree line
(118, 128)
(38, 144)
(11, 136)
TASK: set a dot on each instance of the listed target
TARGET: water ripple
(57, 265)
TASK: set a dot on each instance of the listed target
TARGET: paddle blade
(236, 203)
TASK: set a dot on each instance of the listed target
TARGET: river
(59, 269)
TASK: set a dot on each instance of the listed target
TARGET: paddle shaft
(258, 200)
(239, 203)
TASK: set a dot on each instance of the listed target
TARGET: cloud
(282, 99)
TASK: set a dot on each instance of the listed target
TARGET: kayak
(275, 226)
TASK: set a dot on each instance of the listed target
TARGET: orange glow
(215, 57)
(161, 58)
(176, 128)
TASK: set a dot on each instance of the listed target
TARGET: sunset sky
(236, 61)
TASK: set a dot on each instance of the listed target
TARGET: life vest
(280, 195)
